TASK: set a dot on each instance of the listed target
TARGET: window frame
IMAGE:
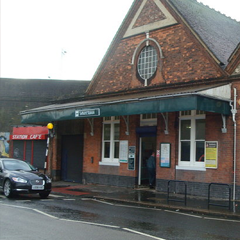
(150, 120)
(193, 164)
(111, 160)
(147, 62)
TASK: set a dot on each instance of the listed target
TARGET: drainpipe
(234, 111)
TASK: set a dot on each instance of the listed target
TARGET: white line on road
(221, 219)
(121, 205)
(55, 196)
(185, 214)
(143, 234)
(23, 200)
(103, 202)
(89, 223)
(9, 205)
(43, 213)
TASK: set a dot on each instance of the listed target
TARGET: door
(147, 145)
(72, 158)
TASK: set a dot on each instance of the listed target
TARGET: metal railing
(218, 204)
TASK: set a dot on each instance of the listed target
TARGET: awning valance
(153, 104)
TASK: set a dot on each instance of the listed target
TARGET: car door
(1, 175)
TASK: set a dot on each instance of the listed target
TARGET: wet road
(154, 223)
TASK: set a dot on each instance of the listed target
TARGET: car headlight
(19, 180)
(48, 180)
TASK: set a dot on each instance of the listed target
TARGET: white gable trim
(222, 92)
(170, 20)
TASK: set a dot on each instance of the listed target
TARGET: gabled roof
(233, 67)
(220, 33)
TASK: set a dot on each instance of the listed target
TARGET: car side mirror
(1, 169)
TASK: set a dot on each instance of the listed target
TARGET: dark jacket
(151, 162)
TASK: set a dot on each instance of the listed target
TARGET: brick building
(168, 83)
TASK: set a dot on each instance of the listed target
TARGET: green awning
(96, 108)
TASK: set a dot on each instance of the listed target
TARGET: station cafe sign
(29, 133)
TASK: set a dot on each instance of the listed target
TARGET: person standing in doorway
(151, 166)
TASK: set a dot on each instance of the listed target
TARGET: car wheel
(44, 194)
(7, 189)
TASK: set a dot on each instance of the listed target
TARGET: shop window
(148, 119)
(192, 139)
(110, 141)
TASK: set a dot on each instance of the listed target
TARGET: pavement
(151, 198)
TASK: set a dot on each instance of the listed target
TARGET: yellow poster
(211, 154)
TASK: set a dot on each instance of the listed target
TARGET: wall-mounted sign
(165, 155)
(123, 152)
(131, 157)
(87, 112)
(28, 137)
(211, 154)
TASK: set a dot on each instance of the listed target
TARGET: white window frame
(111, 160)
(192, 164)
(150, 121)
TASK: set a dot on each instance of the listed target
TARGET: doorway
(72, 158)
(146, 146)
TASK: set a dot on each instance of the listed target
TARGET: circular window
(147, 62)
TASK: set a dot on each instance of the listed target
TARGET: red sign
(29, 133)
(28, 137)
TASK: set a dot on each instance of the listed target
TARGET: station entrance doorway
(146, 146)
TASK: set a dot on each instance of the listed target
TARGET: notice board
(211, 154)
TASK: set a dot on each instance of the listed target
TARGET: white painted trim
(190, 168)
(170, 20)
(116, 164)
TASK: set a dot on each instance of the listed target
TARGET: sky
(65, 39)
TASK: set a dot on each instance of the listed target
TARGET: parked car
(17, 176)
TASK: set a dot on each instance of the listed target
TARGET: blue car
(17, 176)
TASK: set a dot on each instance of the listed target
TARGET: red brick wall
(93, 147)
(172, 138)
(184, 60)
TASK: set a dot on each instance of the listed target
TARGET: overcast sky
(65, 39)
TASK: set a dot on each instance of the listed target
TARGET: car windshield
(14, 165)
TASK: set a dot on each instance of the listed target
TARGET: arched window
(147, 62)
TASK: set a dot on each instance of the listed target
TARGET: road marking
(55, 196)
(69, 199)
(43, 213)
(221, 219)
(103, 202)
(89, 223)
(121, 205)
(23, 200)
(185, 214)
(86, 199)
(153, 209)
(9, 205)
(143, 234)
